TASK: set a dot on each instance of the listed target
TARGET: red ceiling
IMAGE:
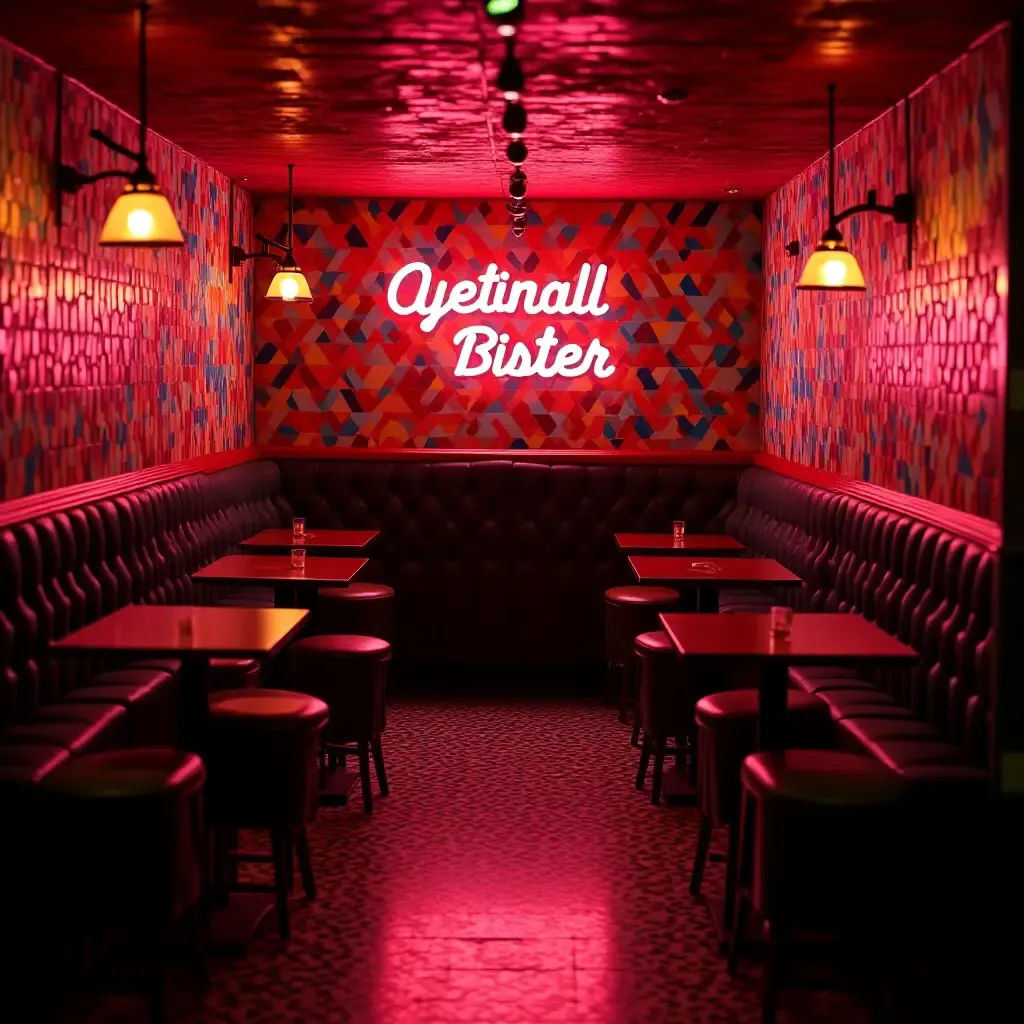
(396, 97)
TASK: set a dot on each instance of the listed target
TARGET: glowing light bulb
(833, 273)
(140, 223)
(289, 288)
(511, 95)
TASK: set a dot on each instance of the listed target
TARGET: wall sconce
(141, 214)
(289, 283)
(831, 266)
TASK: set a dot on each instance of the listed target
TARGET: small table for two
(291, 586)
(709, 575)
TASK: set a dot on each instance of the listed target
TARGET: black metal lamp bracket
(239, 255)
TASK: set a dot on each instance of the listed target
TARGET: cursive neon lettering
(481, 349)
(488, 348)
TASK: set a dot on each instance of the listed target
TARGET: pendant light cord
(831, 155)
(291, 206)
(143, 12)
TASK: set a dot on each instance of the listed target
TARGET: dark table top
(216, 632)
(711, 572)
(665, 543)
(315, 540)
(816, 639)
(276, 570)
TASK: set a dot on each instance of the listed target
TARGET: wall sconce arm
(901, 210)
(284, 258)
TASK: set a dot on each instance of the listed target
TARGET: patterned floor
(513, 875)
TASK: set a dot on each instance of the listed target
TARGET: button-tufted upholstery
(64, 570)
(929, 587)
(502, 559)
(511, 560)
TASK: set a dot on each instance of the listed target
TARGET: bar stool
(122, 847)
(360, 609)
(665, 708)
(811, 825)
(349, 673)
(726, 734)
(233, 674)
(261, 751)
(628, 612)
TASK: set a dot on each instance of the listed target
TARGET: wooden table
(154, 631)
(324, 542)
(276, 571)
(666, 544)
(674, 571)
(816, 639)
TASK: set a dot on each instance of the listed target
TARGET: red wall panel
(904, 386)
(110, 360)
(682, 328)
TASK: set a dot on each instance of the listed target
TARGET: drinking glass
(298, 528)
(781, 620)
(678, 529)
(298, 558)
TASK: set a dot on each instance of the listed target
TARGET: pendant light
(141, 214)
(289, 284)
(831, 266)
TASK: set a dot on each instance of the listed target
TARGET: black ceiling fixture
(508, 15)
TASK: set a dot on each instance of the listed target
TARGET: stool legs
(305, 864)
(378, 765)
(645, 759)
(700, 858)
(281, 844)
(625, 680)
(659, 765)
(364, 774)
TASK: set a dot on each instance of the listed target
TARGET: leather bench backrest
(60, 572)
(929, 587)
(502, 560)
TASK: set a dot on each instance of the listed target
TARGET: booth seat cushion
(28, 763)
(80, 728)
(151, 699)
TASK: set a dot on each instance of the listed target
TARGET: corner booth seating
(505, 560)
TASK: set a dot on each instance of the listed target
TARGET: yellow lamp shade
(141, 216)
(289, 285)
(832, 267)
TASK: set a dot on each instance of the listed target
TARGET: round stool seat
(233, 673)
(341, 646)
(654, 644)
(825, 777)
(362, 609)
(273, 709)
(719, 708)
(357, 592)
(727, 733)
(643, 596)
(133, 819)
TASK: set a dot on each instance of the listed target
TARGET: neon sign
(484, 350)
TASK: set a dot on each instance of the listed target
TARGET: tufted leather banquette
(509, 560)
(502, 559)
(929, 587)
(61, 571)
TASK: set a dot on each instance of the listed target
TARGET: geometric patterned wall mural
(111, 360)
(679, 319)
(902, 387)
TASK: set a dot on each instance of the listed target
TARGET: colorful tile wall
(118, 359)
(682, 327)
(902, 387)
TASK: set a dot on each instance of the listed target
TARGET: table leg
(195, 701)
(773, 682)
(707, 600)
